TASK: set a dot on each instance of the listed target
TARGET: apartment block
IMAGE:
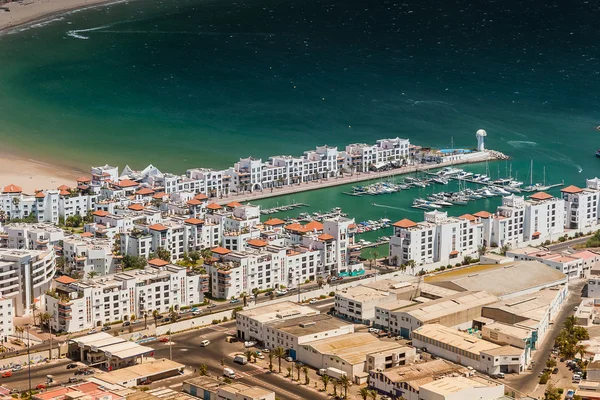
(90, 256)
(84, 304)
(581, 206)
(38, 236)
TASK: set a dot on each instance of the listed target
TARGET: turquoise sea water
(204, 82)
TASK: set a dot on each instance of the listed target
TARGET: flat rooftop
(278, 311)
(420, 374)
(455, 384)
(500, 280)
(511, 330)
(310, 324)
(453, 337)
(455, 303)
(352, 348)
(528, 306)
(147, 369)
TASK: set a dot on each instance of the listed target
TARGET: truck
(228, 373)
(334, 373)
(240, 359)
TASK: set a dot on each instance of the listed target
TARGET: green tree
(194, 257)
(325, 379)
(504, 249)
(249, 353)
(92, 274)
(345, 383)
(279, 352)
(298, 369)
(551, 392)
(411, 264)
(482, 250)
(305, 372)
(155, 315)
(551, 363)
(373, 394)
(271, 356)
(364, 392)
(394, 261)
(202, 370)
(133, 262)
(163, 254)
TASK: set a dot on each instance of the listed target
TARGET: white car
(312, 301)
(249, 343)
(197, 312)
(373, 330)
(204, 343)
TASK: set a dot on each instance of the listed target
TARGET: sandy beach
(27, 11)
(32, 175)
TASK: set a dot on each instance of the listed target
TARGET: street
(558, 247)
(526, 382)
(58, 369)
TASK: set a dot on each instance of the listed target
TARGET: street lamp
(28, 358)
(298, 276)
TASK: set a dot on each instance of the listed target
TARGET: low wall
(35, 357)
(192, 323)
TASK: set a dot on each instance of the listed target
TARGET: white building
(581, 206)
(209, 388)
(469, 350)
(90, 256)
(461, 388)
(253, 323)
(42, 236)
(27, 275)
(79, 305)
(7, 315)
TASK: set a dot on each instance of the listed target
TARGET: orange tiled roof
(454, 253)
(405, 223)
(127, 183)
(40, 195)
(468, 217)
(159, 195)
(63, 187)
(87, 234)
(157, 262)
(144, 191)
(158, 227)
(221, 250)
(482, 214)
(83, 179)
(314, 225)
(234, 204)
(136, 207)
(257, 243)
(352, 226)
(64, 192)
(325, 236)
(295, 227)
(571, 189)
(540, 196)
(194, 202)
(213, 206)
(101, 213)
(201, 196)
(536, 233)
(65, 279)
(194, 221)
(274, 221)
(12, 189)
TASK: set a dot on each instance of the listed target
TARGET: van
(228, 373)
(73, 379)
(240, 359)
(231, 339)
(576, 378)
(204, 343)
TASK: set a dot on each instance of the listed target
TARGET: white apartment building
(41, 236)
(7, 314)
(80, 305)
(360, 157)
(581, 206)
(90, 256)
(439, 240)
(253, 323)
(26, 275)
(15, 204)
(574, 265)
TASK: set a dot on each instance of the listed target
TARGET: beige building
(209, 388)
(461, 388)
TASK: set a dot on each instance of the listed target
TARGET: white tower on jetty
(481, 134)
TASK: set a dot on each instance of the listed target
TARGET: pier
(488, 155)
(288, 207)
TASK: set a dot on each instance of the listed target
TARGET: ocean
(201, 83)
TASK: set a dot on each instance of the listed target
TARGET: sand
(27, 11)
(33, 175)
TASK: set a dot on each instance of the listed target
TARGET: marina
(287, 207)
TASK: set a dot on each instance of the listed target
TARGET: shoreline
(32, 175)
(36, 11)
(489, 155)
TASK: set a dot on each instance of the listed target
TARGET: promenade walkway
(356, 177)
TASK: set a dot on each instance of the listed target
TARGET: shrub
(442, 268)
(331, 294)
(224, 319)
(457, 264)
(322, 296)
(560, 390)
(449, 266)
(215, 321)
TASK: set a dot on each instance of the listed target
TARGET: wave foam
(522, 143)
(76, 33)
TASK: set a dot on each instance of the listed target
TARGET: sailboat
(537, 187)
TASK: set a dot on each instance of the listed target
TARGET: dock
(287, 207)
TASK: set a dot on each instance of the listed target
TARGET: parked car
(92, 332)
(249, 343)
(73, 379)
(166, 320)
(204, 343)
(570, 394)
(71, 366)
(105, 328)
(233, 301)
(289, 359)
(88, 372)
(17, 367)
(40, 386)
(211, 305)
(373, 330)
(197, 312)
(160, 316)
(7, 374)
(164, 339)
(266, 350)
(312, 301)
(555, 371)
(126, 323)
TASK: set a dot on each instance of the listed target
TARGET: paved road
(527, 382)
(186, 350)
(58, 369)
(564, 246)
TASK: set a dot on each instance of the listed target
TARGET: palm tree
(364, 392)
(245, 299)
(345, 383)
(482, 250)
(504, 249)
(202, 370)
(145, 320)
(335, 383)
(394, 261)
(289, 370)
(580, 349)
(411, 264)
(373, 394)
(19, 331)
(271, 356)
(155, 314)
(305, 372)
(92, 274)
(570, 323)
(33, 310)
(298, 369)
(249, 354)
(320, 282)
(325, 379)
(44, 318)
(279, 352)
